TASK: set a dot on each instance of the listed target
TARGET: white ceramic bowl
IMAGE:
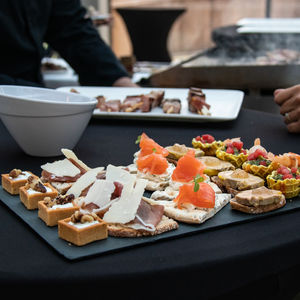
(42, 121)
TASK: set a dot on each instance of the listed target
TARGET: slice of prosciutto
(147, 216)
(49, 177)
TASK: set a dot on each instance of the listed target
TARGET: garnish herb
(138, 139)
(198, 178)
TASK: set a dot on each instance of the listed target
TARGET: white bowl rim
(90, 100)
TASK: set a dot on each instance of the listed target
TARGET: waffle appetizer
(207, 143)
(259, 162)
(285, 180)
(233, 152)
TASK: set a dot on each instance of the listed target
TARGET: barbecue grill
(239, 61)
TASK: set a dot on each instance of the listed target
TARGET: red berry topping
(251, 156)
(198, 138)
(207, 138)
(297, 176)
(294, 170)
(238, 145)
(283, 170)
(263, 163)
(286, 176)
(230, 150)
(244, 151)
(259, 152)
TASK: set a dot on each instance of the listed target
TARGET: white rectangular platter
(225, 104)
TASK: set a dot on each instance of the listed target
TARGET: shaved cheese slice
(70, 154)
(61, 168)
(124, 210)
(100, 193)
(84, 181)
(118, 174)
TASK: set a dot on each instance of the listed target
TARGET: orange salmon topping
(188, 167)
(149, 146)
(204, 197)
(153, 163)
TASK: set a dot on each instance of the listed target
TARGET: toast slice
(193, 215)
(121, 230)
(256, 209)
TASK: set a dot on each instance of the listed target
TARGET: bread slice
(256, 209)
(192, 216)
(121, 230)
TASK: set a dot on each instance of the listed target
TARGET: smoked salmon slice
(188, 167)
(153, 163)
(148, 146)
(204, 197)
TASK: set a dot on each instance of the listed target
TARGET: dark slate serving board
(225, 217)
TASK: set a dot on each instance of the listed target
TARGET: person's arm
(8, 80)
(125, 81)
(78, 42)
(289, 102)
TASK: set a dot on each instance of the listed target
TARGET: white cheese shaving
(118, 174)
(84, 181)
(70, 154)
(124, 210)
(61, 168)
(100, 193)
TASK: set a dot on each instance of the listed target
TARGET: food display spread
(184, 185)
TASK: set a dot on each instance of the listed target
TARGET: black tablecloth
(259, 259)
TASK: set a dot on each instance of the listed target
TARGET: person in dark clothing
(26, 24)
